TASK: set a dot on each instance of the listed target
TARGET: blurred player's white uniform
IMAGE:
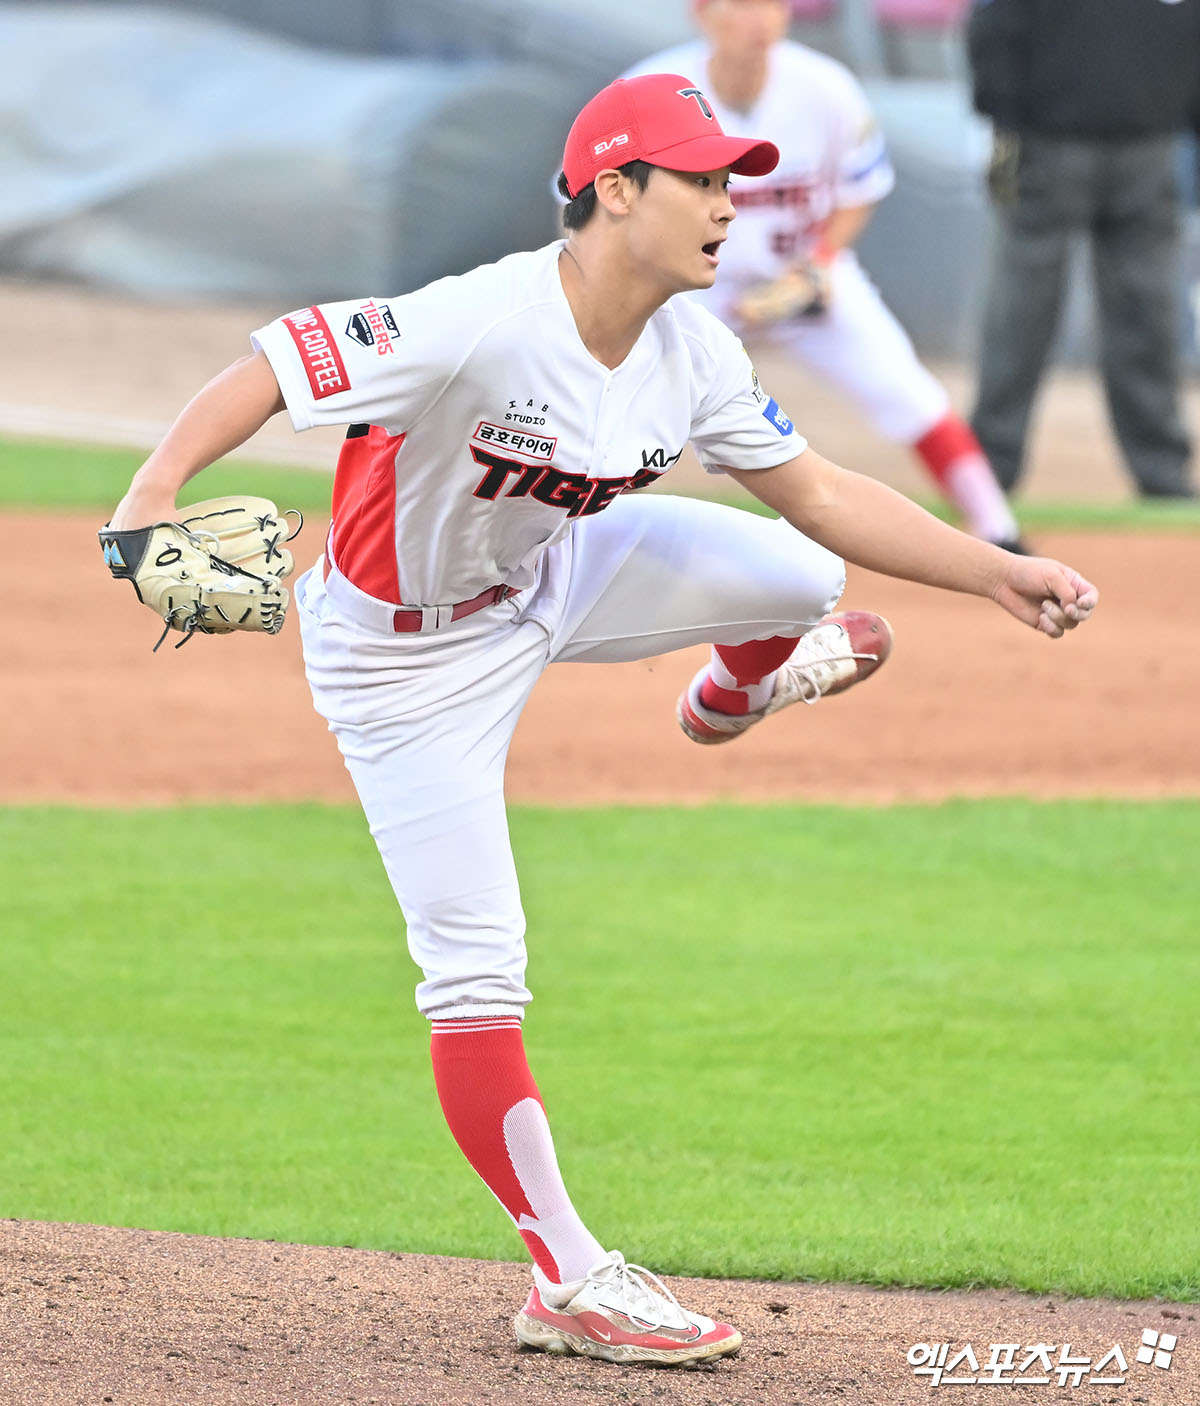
(832, 156)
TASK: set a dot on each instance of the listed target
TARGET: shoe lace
(808, 672)
(643, 1295)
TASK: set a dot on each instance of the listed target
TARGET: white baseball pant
(424, 721)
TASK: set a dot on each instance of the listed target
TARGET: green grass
(1132, 516)
(1182, 516)
(67, 476)
(80, 478)
(942, 1046)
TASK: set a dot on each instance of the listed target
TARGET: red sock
(956, 460)
(495, 1113)
(746, 664)
(943, 446)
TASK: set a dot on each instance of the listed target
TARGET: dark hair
(579, 211)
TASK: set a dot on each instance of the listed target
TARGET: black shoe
(1184, 493)
(1017, 545)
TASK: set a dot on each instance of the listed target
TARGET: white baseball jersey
(481, 426)
(832, 153)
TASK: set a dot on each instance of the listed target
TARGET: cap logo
(619, 140)
(700, 98)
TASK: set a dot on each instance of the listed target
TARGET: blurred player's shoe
(835, 654)
(1017, 545)
(1175, 492)
(619, 1313)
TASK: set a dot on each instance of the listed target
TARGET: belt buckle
(436, 617)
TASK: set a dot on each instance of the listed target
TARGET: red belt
(407, 622)
(411, 621)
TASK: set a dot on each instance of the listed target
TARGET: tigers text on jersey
(482, 428)
(832, 154)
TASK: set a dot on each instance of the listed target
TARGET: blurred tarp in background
(172, 153)
(295, 150)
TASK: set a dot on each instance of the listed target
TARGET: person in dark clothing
(1087, 99)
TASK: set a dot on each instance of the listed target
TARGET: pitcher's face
(677, 225)
(743, 29)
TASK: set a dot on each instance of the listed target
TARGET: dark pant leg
(1029, 262)
(1136, 251)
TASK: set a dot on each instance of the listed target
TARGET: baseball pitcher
(489, 520)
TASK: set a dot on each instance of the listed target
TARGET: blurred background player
(790, 275)
(1086, 117)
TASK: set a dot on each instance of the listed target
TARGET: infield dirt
(971, 704)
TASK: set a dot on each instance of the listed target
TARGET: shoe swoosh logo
(683, 1335)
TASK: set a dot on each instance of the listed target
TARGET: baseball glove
(803, 291)
(216, 570)
(1004, 167)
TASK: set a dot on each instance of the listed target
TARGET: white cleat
(620, 1313)
(834, 655)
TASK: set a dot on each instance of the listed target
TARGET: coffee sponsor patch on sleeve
(774, 416)
(319, 354)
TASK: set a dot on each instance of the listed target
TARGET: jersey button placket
(599, 459)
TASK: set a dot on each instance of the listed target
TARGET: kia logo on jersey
(659, 458)
(374, 326)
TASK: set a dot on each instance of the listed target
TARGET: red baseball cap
(660, 118)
